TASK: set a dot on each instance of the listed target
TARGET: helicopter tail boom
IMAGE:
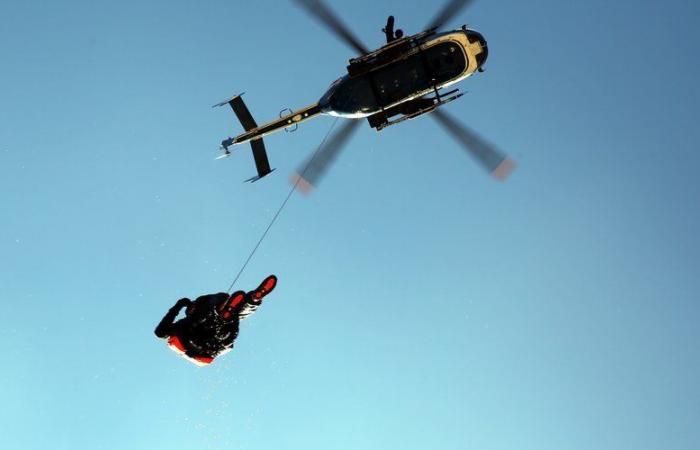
(289, 121)
(254, 133)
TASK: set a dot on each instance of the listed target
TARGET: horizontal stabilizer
(262, 164)
(260, 156)
(242, 112)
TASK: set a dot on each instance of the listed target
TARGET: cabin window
(446, 61)
(400, 80)
(405, 78)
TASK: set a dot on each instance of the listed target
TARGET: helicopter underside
(440, 62)
(397, 86)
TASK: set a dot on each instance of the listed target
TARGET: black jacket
(203, 332)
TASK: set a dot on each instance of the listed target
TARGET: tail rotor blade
(321, 11)
(448, 12)
(495, 162)
(310, 173)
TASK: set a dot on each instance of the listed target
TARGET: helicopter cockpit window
(446, 61)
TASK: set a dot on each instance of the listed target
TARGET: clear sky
(421, 304)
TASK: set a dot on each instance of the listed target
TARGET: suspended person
(211, 322)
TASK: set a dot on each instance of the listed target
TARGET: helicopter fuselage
(439, 61)
(445, 59)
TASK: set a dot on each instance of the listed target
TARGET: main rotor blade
(309, 174)
(327, 17)
(498, 164)
(448, 11)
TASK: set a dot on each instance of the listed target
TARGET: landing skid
(381, 121)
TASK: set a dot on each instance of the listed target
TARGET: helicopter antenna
(391, 35)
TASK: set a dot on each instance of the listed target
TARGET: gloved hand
(183, 302)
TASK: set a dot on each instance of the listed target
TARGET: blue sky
(421, 304)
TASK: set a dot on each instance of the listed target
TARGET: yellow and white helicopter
(402, 80)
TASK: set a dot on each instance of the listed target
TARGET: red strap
(174, 341)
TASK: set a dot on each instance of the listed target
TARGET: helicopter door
(400, 80)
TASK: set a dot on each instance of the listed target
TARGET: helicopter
(407, 77)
